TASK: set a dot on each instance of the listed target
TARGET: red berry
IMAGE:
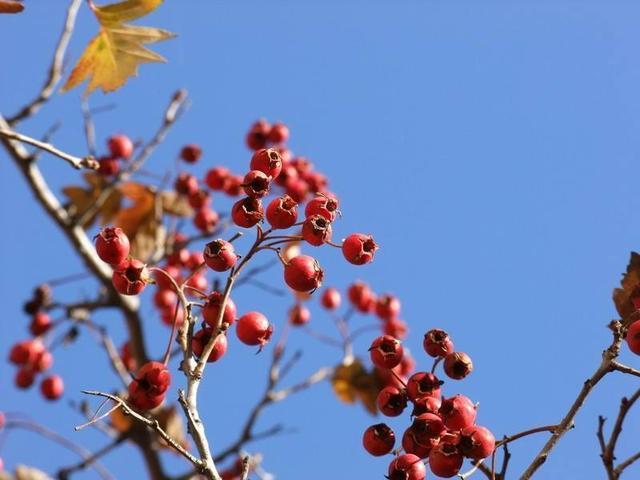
(163, 282)
(330, 298)
(120, 146)
(186, 184)
(52, 387)
(359, 249)
(322, 205)
(43, 362)
(299, 315)
(219, 255)
(396, 328)
(427, 426)
(217, 177)
(457, 365)
(268, 161)
(167, 315)
(361, 296)
(112, 245)
(303, 273)
(26, 352)
(253, 328)
(407, 467)
(40, 324)
(165, 299)
(233, 185)
(387, 306)
(302, 165)
(391, 401)
(198, 282)
(24, 377)
(247, 212)
(3, 420)
(256, 184)
(386, 352)
(410, 444)
(378, 439)
(458, 412)
(196, 259)
(148, 388)
(297, 189)
(287, 174)
(279, 133)
(317, 181)
(258, 135)
(633, 337)
(200, 199)
(316, 230)
(437, 343)
(179, 257)
(445, 460)
(211, 310)
(127, 357)
(477, 442)
(407, 365)
(191, 153)
(130, 277)
(108, 166)
(282, 212)
(426, 405)
(423, 384)
(200, 340)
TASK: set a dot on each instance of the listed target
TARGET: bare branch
(65, 473)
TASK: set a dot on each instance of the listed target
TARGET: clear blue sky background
(491, 147)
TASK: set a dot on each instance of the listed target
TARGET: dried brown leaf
(352, 382)
(630, 287)
(7, 6)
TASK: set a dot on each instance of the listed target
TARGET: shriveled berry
(407, 467)
(458, 412)
(268, 161)
(256, 184)
(186, 184)
(211, 310)
(52, 387)
(303, 273)
(299, 315)
(386, 352)
(219, 255)
(130, 277)
(387, 306)
(253, 328)
(457, 365)
(322, 205)
(316, 230)
(396, 328)
(445, 460)
(112, 245)
(24, 377)
(217, 177)
(330, 298)
(437, 343)
(378, 439)
(40, 324)
(120, 146)
(423, 384)
(108, 166)
(247, 212)
(391, 401)
(191, 153)
(200, 340)
(279, 133)
(361, 296)
(477, 442)
(633, 337)
(282, 212)
(258, 135)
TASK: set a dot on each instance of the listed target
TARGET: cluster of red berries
(31, 356)
(262, 134)
(120, 148)
(443, 431)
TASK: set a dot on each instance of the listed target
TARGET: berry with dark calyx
(387, 306)
(378, 439)
(199, 199)
(130, 277)
(359, 249)
(445, 460)
(256, 184)
(457, 365)
(108, 166)
(410, 444)
(423, 384)
(247, 212)
(330, 298)
(40, 324)
(120, 146)
(186, 184)
(52, 387)
(253, 328)
(427, 426)
(279, 133)
(282, 212)
(633, 337)
(361, 296)
(322, 205)
(165, 299)
(391, 401)
(297, 189)
(316, 230)
(147, 390)
(30, 307)
(219, 255)
(112, 245)
(191, 153)
(200, 340)
(426, 405)
(211, 310)
(299, 315)
(42, 294)
(477, 442)
(233, 185)
(437, 343)
(386, 352)
(217, 177)
(24, 377)
(458, 412)
(407, 467)
(396, 328)
(303, 273)
(268, 161)
(258, 135)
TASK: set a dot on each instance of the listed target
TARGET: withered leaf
(7, 6)
(630, 287)
(352, 383)
(121, 422)
(176, 205)
(81, 199)
(171, 422)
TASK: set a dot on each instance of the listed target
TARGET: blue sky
(490, 147)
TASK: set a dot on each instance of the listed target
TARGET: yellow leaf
(352, 382)
(83, 198)
(10, 7)
(115, 53)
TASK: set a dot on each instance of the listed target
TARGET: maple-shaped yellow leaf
(115, 53)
